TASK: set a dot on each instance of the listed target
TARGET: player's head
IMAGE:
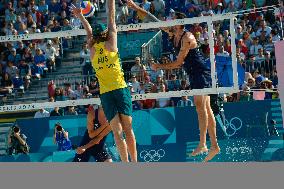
(179, 15)
(100, 33)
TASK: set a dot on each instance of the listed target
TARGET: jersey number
(101, 51)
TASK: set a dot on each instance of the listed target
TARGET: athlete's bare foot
(199, 150)
(214, 150)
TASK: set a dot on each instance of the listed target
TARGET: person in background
(6, 86)
(149, 86)
(184, 102)
(79, 91)
(94, 88)
(17, 142)
(71, 111)
(87, 68)
(42, 113)
(39, 65)
(68, 92)
(11, 70)
(61, 138)
(135, 84)
(25, 73)
(148, 103)
(50, 53)
(56, 112)
(163, 102)
(173, 84)
(51, 88)
(59, 94)
(138, 69)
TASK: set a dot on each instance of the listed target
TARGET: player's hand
(80, 150)
(167, 29)
(131, 4)
(75, 10)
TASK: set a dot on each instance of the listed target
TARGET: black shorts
(98, 151)
(201, 81)
(199, 73)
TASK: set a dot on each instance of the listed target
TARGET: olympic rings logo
(152, 155)
(233, 126)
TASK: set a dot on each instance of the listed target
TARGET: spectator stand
(153, 48)
(177, 8)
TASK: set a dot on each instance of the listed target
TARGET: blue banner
(170, 134)
(129, 44)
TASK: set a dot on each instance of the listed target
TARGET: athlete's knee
(118, 134)
(126, 123)
(129, 132)
(201, 109)
(199, 102)
(117, 131)
(211, 120)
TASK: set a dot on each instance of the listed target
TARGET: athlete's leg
(108, 160)
(200, 103)
(129, 135)
(117, 130)
(214, 148)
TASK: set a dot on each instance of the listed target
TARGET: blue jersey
(196, 67)
(63, 143)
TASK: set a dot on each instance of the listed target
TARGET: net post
(234, 55)
(212, 59)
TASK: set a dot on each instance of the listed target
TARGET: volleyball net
(228, 64)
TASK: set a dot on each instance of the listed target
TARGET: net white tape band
(35, 106)
(129, 27)
(120, 28)
(205, 19)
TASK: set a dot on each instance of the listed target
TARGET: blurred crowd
(23, 61)
(256, 32)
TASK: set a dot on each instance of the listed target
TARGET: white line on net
(120, 28)
(206, 91)
(130, 27)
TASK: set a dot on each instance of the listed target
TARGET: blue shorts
(197, 69)
(201, 81)
(116, 101)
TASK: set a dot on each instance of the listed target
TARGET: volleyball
(87, 8)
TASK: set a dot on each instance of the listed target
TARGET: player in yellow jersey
(114, 94)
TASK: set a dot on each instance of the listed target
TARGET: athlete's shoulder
(110, 47)
(189, 35)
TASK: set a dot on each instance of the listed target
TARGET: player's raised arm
(112, 25)
(142, 12)
(188, 42)
(77, 12)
